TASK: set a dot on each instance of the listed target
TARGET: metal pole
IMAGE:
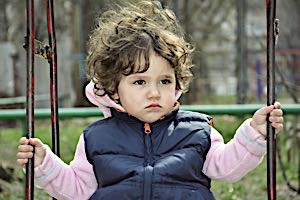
(271, 137)
(53, 77)
(29, 44)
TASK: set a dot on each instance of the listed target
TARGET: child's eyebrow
(168, 76)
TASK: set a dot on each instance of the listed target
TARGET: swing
(272, 37)
(49, 53)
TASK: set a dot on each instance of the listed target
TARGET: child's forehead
(158, 66)
(146, 75)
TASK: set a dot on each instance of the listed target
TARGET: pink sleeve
(230, 162)
(62, 181)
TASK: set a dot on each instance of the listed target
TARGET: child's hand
(25, 151)
(276, 118)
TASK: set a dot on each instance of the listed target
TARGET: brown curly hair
(124, 39)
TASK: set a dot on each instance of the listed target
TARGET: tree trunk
(241, 53)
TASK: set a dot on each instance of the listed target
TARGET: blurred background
(230, 68)
(229, 37)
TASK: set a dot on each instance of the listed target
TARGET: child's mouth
(154, 105)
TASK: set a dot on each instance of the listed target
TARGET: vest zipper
(148, 168)
(147, 128)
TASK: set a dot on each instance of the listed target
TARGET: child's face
(150, 95)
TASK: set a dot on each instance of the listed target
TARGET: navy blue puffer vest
(163, 164)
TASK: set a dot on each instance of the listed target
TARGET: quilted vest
(162, 160)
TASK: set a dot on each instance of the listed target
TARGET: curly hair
(125, 37)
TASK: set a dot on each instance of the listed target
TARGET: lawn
(251, 187)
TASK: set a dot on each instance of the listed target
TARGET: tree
(202, 21)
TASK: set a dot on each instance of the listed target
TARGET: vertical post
(241, 52)
(29, 183)
(53, 77)
(271, 138)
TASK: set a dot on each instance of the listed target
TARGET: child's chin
(151, 119)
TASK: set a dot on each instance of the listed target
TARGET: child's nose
(153, 92)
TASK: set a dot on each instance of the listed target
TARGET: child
(146, 148)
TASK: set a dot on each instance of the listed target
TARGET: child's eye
(165, 81)
(139, 82)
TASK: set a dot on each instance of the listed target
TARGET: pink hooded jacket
(224, 162)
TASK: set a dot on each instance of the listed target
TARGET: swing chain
(41, 49)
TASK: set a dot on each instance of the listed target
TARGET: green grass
(254, 186)
(251, 187)
(9, 137)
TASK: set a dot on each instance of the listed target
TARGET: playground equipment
(35, 48)
(272, 38)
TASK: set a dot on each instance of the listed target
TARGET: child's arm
(62, 181)
(231, 161)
